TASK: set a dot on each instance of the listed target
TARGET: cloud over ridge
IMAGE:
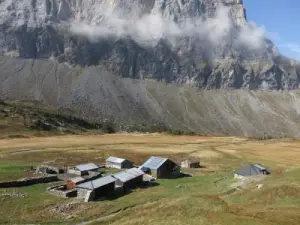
(149, 28)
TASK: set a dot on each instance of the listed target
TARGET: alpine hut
(160, 167)
(251, 170)
(118, 163)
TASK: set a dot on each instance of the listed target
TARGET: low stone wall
(28, 182)
(61, 192)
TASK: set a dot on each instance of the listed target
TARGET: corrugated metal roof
(115, 159)
(135, 171)
(259, 166)
(250, 170)
(129, 174)
(93, 184)
(76, 179)
(86, 167)
(154, 162)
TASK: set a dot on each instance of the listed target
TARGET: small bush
(181, 132)
(12, 136)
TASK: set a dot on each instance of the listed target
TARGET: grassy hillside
(211, 196)
(31, 118)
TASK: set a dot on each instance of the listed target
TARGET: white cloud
(252, 35)
(150, 28)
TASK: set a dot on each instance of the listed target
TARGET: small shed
(190, 163)
(84, 169)
(251, 170)
(129, 179)
(95, 189)
(160, 167)
(118, 163)
(71, 183)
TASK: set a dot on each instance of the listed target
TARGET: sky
(281, 19)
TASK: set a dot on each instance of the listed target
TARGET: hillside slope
(98, 95)
(24, 119)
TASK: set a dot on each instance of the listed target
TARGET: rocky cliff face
(143, 62)
(206, 43)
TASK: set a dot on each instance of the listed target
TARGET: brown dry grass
(135, 147)
(79, 140)
(215, 152)
(279, 152)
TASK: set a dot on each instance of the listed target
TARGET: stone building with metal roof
(160, 167)
(118, 163)
(251, 170)
(83, 169)
(95, 189)
(129, 179)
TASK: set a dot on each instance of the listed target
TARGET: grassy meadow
(210, 196)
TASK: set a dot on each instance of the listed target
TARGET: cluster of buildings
(86, 182)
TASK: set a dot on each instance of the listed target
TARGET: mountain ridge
(140, 64)
(192, 41)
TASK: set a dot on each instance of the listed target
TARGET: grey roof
(115, 159)
(86, 167)
(154, 162)
(252, 169)
(93, 184)
(76, 179)
(128, 174)
(259, 167)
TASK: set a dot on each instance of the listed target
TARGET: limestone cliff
(182, 41)
(146, 62)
